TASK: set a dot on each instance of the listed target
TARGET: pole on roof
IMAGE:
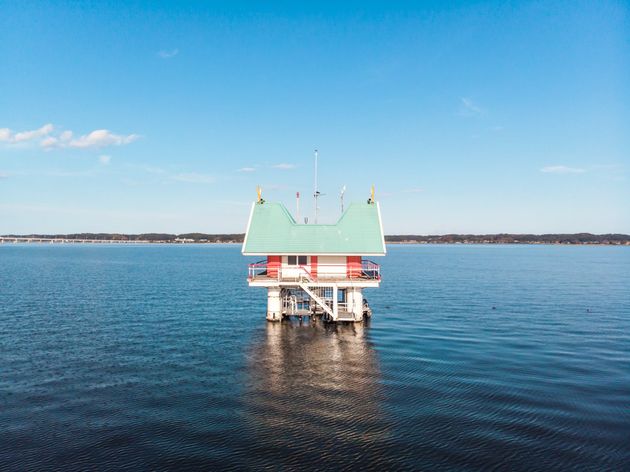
(315, 191)
(297, 206)
(343, 190)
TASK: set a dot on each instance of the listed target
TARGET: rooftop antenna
(315, 191)
(297, 206)
(343, 190)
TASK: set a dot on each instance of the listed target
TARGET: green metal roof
(272, 230)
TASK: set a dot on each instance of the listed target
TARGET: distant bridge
(23, 239)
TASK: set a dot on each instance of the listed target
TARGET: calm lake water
(159, 357)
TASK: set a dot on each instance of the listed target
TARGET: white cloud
(562, 170)
(101, 138)
(47, 140)
(3, 175)
(7, 135)
(246, 169)
(469, 108)
(36, 133)
(284, 166)
(168, 53)
(194, 177)
(104, 159)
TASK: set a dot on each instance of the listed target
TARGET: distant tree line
(505, 238)
(502, 238)
(154, 237)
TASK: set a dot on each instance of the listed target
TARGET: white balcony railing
(262, 271)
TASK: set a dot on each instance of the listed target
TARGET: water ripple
(159, 358)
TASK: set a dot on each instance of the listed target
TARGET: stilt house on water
(315, 269)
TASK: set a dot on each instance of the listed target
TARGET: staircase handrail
(318, 300)
(308, 274)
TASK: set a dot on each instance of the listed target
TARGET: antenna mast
(315, 191)
(343, 190)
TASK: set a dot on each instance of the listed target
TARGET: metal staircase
(318, 300)
(307, 278)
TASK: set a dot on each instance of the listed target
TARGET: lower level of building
(330, 302)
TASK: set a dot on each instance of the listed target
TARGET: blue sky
(468, 117)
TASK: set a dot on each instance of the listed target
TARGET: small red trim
(353, 266)
(273, 265)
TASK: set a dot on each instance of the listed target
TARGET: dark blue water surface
(159, 357)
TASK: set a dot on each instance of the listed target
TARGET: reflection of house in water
(314, 397)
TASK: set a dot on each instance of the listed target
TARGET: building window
(302, 260)
(292, 260)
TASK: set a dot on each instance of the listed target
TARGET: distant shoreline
(203, 238)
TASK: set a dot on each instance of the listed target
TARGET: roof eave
(380, 222)
(249, 223)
